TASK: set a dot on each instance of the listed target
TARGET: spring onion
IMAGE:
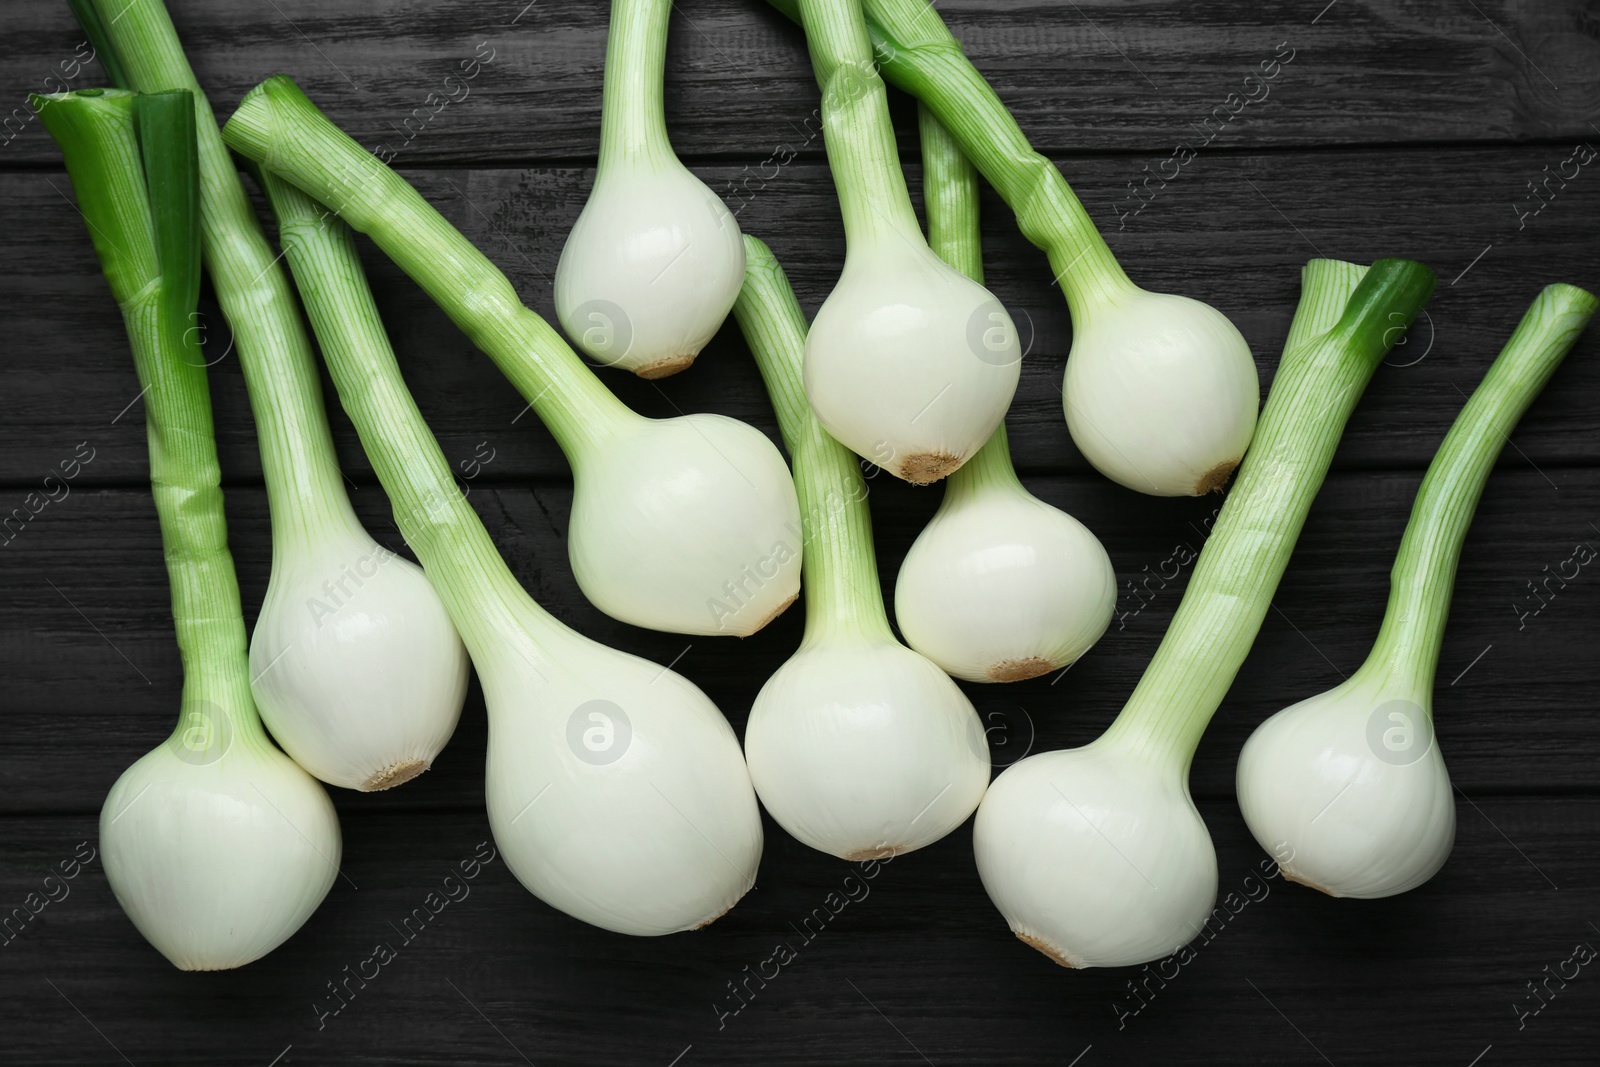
(1096, 856)
(1160, 391)
(1350, 784)
(216, 844)
(999, 586)
(909, 362)
(616, 791)
(686, 524)
(857, 745)
(355, 666)
(654, 262)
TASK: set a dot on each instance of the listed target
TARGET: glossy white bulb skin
(651, 269)
(1095, 857)
(355, 665)
(689, 525)
(218, 853)
(909, 363)
(1161, 392)
(615, 788)
(864, 749)
(1351, 788)
(1000, 586)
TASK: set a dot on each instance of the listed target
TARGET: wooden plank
(1233, 230)
(89, 598)
(916, 961)
(1091, 77)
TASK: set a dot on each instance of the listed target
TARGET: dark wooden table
(1417, 128)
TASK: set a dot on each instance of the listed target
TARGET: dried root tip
(394, 774)
(925, 468)
(663, 368)
(862, 855)
(1034, 942)
(1215, 478)
(707, 922)
(1017, 670)
(1290, 876)
(779, 610)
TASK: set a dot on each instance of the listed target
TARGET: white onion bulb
(688, 524)
(616, 790)
(1350, 790)
(355, 665)
(650, 269)
(1095, 856)
(1161, 391)
(1000, 586)
(864, 749)
(909, 363)
(217, 845)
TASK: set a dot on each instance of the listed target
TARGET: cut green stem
(1423, 577)
(843, 597)
(1315, 390)
(304, 486)
(141, 208)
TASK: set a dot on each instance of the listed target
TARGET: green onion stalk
(654, 262)
(1348, 788)
(909, 363)
(216, 844)
(355, 666)
(999, 586)
(687, 524)
(1160, 391)
(857, 745)
(1096, 855)
(615, 789)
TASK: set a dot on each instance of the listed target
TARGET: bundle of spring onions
(1160, 391)
(857, 745)
(1349, 785)
(1000, 586)
(1096, 856)
(681, 524)
(354, 664)
(217, 845)
(615, 789)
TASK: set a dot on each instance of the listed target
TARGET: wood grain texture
(918, 963)
(1233, 230)
(1085, 77)
(1412, 128)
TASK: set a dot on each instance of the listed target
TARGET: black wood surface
(1410, 128)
